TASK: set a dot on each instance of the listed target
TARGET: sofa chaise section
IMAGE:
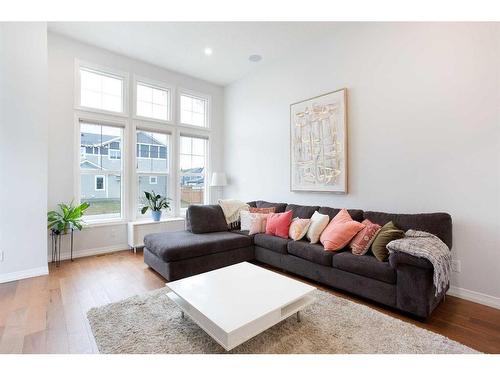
(176, 255)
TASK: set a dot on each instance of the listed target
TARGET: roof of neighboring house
(92, 139)
(147, 139)
(87, 164)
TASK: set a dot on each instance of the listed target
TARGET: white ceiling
(179, 46)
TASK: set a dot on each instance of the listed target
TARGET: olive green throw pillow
(389, 232)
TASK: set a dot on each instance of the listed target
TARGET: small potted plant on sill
(154, 202)
(68, 217)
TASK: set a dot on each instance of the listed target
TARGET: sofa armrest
(396, 258)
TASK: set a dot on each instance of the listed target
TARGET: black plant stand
(56, 237)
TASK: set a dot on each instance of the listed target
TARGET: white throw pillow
(246, 220)
(318, 224)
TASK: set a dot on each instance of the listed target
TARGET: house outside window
(152, 165)
(193, 161)
(101, 175)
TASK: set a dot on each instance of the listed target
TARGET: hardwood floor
(47, 314)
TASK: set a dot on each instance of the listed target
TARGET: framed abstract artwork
(318, 143)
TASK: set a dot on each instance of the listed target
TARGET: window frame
(124, 76)
(206, 187)
(103, 120)
(159, 85)
(130, 123)
(197, 95)
(171, 132)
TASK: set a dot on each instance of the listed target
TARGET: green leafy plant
(154, 202)
(68, 216)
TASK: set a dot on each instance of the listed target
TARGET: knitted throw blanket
(428, 246)
(231, 209)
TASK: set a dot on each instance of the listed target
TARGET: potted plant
(68, 217)
(155, 202)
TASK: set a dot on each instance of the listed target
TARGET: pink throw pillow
(258, 223)
(340, 231)
(278, 224)
(363, 240)
(263, 210)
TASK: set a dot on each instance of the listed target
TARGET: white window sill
(102, 223)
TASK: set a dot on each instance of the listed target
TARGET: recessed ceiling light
(208, 51)
(255, 58)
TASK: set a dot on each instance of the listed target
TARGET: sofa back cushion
(205, 219)
(302, 212)
(438, 223)
(280, 207)
(332, 212)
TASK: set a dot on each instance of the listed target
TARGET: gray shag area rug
(151, 323)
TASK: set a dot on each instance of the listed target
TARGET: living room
(250, 187)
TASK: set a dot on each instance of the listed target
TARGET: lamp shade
(218, 179)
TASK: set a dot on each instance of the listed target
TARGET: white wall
(423, 125)
(62, 53)
(23, 150)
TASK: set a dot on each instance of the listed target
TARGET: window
(99, 183)
(115, 154)
(193, 154)
(194, 110)
(101, 177)
(146, 151)
(153, 101)
(101, 90)
(152, 165)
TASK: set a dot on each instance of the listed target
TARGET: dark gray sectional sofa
(404, 282)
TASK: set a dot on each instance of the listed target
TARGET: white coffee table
(236, 303)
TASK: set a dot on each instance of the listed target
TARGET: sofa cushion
(273, 243)
(298, 228)
(318, 224)
(303, 212)
(340, 231)
(312, 252)
(205, 219)
(332, 212)
(438, 223)
(262, 210)
(174, 246)
(389, 232)
(365, 265)
(362, 241)
(279, 224)
(244, 233)
(280, 207)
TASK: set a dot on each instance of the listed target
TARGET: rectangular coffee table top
(234, 296)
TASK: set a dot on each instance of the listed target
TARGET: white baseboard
(32, 272)
(483, 299)
(89, 252)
